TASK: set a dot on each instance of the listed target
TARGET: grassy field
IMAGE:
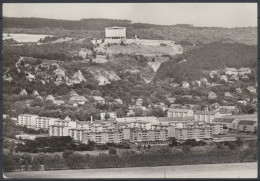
(232, 170)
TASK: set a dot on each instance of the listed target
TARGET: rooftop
(206, 112)
(247, 122)
(174, 119)
(180, 110)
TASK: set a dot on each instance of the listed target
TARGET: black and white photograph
(129, 90)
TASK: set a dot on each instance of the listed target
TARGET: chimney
(91, 119)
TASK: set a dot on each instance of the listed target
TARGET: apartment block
(206, 116)
(180, 113)
(27, 120)
(193, 133)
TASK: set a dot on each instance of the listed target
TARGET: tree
(107, 116)
(173, 143)
(239, 142)
(94, 54)
(75, 161)
(67, 153)
(112, 151)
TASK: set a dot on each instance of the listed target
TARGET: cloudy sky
(198, 14)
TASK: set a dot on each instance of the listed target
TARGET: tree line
(163, 156)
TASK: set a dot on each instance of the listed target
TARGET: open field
(229, 170)
(24, 37)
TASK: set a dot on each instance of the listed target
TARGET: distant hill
(208, 57)
(179, 33)
(84, 24)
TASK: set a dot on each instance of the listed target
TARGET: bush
(112, 151)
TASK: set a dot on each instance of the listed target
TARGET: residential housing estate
(181, 124)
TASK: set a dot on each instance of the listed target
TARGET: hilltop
(90, 28)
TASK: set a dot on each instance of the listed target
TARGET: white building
(180, 113)
(206, 116)
(45, 122)
(27, 120)
(115, 35)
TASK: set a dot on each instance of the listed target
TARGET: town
(116, 94)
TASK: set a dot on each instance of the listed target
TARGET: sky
(198, 14)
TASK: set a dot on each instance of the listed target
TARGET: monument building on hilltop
(115, 35)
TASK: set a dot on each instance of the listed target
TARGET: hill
(208, 57)
(183, 34)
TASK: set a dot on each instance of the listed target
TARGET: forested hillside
(86, 24)
(208, 57)
(95, 28)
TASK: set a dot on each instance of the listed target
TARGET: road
(229, 170)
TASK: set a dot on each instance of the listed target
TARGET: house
(234, 78)
(245, 78)
(130, 113)
(139, 102)
(231, 71)
(78, 99)
(171, 100)
(244, 71)
(224, 77)
(198, 83)
(73, 93)
(58, 102)
(238, 90)
(187, 96)
(50, 97)
(119, 101)
(35, 93)
(227, 94)
(39, 97)
(212, 95)
(23, 92)
(180, 113)
(251, 89)
(247, 125)
(224, 112)
(214, 73)
(204, 80)
(185, 85)
(242, 102)
(214, 105)
(99, 99)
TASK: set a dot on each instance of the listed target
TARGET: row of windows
(115, 38)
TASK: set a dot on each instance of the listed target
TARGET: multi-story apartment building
(62, 127)
(140, 124)
(27, 120)
(153, 120)
(139, 135)
(206, 116)
(113, 136)
(170, 129)
(58, 130)
(84, 125)
(76, 134)
(45, 122)
(193, 133)
(180, 113)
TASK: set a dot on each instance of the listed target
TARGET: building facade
(115, 35)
